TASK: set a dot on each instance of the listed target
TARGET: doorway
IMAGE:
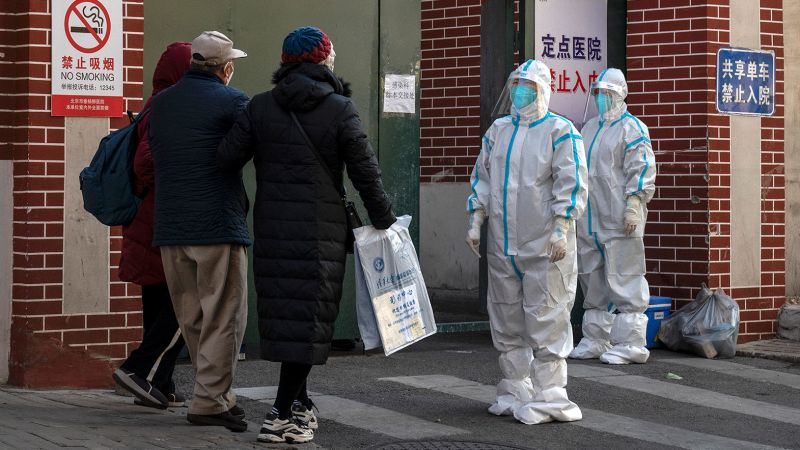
(372, 38)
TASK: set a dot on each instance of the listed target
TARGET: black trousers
(154, 360)
(291, 387)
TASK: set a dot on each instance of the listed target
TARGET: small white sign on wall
(399, 94)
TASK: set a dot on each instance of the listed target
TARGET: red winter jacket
(141, 262)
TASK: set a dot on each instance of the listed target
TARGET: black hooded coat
(299, 220)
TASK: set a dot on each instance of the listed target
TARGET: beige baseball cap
(212, 48)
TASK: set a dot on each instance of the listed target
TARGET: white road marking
(360, 415)
(592, 419)
(686, 394)
(739, 370)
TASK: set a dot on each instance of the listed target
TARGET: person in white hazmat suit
(622, 172)
(529, 183)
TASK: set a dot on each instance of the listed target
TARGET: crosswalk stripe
(739, 370)
(592, 419)
(361, 415)
(686, 394)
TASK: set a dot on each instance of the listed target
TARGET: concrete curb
(777, 349)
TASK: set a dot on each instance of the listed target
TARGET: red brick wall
(671, 68)
(449, 89)
(49, 348)
(671, 71)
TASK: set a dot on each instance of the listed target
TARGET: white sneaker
(275, 430)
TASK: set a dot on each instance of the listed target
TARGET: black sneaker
(225, 419)
(140, 388)
(237, 412)
(174, 400)
(275, 430)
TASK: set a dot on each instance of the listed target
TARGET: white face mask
(329, 60)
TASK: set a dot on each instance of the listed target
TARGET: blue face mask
(522, 96)
(603, 102)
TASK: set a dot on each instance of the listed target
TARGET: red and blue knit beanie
(306, 44)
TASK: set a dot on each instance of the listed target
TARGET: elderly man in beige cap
(201, 223)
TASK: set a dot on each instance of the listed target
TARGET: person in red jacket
(147, 373)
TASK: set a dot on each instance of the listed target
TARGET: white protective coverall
(621, 164)
(531, 173)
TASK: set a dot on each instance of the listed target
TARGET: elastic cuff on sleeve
(384, 222)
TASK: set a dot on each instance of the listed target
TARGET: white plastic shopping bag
(392, 303)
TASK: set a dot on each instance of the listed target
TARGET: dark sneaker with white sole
(174, 400)
(225, 419)
(292, 431)
(140, 388)
(305, 415)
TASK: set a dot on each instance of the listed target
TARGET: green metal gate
(371, 38)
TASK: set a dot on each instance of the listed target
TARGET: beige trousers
(208, 286)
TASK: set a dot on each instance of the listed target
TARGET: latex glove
(633, 214)
(476, 220)
(557, 246)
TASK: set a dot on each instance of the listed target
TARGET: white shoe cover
(549, 405)
(628, 339)
(504, 405)
(511, 394)
(589, 349)
(629, 329)
(625, 354)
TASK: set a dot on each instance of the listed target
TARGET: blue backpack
(107, 183)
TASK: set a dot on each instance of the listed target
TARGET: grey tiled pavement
(93, 419)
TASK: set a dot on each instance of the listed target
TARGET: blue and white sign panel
(745, 82)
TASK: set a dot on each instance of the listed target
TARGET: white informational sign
(572, 39)
(399, 94)
(87, 58)
(399, 312)
(745, 81)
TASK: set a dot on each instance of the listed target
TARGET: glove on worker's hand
(476, 219)
(557, 246)
(633, 214)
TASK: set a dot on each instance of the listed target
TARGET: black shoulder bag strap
(313, 148)
(353, 219)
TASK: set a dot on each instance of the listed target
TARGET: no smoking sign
(87, 25)
(87, 58)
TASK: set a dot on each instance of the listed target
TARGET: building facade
(722, 206)
(721, 213)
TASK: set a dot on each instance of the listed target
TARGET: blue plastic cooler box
(656, 312)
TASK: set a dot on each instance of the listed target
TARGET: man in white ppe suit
(529, 182)
(622, 172)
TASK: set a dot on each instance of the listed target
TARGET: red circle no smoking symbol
(87, 25)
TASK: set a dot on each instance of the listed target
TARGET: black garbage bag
(708, 326)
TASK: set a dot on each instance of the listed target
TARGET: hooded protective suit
(530, 182)
(622, 174)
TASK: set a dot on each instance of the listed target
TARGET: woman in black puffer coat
(299, 219)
